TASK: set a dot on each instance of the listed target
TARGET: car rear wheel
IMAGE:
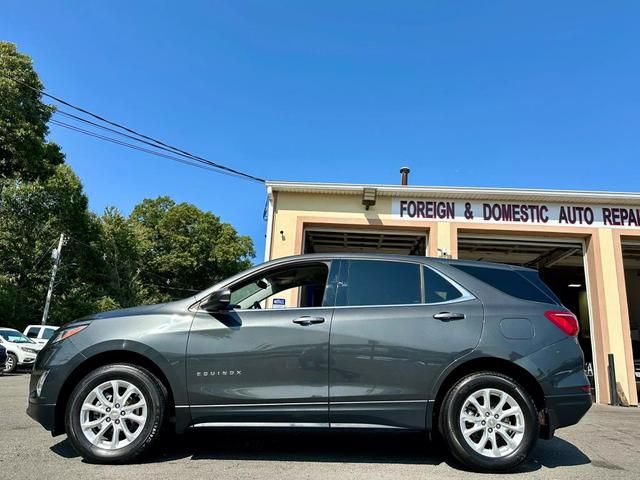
(115, 413)
(489, 422)
(11, 364)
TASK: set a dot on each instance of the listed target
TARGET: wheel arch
(506, 367)
(106, 358)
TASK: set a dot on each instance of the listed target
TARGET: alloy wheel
(113, 414)
(492, 422)
(9, 364)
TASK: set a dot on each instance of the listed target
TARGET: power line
(112, 130)
(155, 141)
(136, 147)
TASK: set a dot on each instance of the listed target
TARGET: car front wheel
(115, 413)
(489, 422)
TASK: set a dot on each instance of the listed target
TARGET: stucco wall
(607, 290)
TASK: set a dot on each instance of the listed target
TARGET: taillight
(565, 321)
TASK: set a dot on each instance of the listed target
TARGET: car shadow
(326, 446)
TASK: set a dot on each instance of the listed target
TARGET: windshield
(14, 337)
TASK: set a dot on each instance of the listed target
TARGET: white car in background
(40, 333)
(21, 350)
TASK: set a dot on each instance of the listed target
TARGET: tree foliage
(24, 151)
(32, 216)
(183, 249)
(161, 251)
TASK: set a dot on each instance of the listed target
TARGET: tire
(521, 427)
(11, 364)
(96, 443)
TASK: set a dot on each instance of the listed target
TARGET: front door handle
(306, 320)
(447, 316)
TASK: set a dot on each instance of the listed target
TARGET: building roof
(461, 193)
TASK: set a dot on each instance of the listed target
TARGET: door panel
(259, 366)
(385, 359)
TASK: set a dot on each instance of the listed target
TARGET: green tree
(163, 250)
(184, 249)
(120, 246)
(32, 216)
(24, 151)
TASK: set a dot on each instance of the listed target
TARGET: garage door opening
(358, 241)
(631, 262)
(560, 264)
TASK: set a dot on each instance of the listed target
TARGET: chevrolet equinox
(484, 355)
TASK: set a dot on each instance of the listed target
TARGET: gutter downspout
(267, 245)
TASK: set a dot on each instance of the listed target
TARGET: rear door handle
(306, 320)
(447, 316)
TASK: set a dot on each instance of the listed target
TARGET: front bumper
(564, 411)
(27, 361)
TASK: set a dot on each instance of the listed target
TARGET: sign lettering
(517, 213)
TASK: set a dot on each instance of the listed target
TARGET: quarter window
(511, 282)
(437, 288)
(370, 282)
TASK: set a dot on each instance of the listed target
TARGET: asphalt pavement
(605, 445)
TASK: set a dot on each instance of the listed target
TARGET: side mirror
(217, 301)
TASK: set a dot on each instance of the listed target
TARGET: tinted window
(534, 278)
(509, 282)
(380, 283)
(32, 332)
(437, 288)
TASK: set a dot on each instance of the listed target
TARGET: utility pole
(56, 262)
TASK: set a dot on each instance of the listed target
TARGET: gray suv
(483, 354)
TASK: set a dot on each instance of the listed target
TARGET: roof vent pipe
(404, 179)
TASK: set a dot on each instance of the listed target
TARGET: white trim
(293, 425)
(379, 401)
(227, 405)
(365, 425)
(267, 243)
(293, 404)
(263, 424)
(579, 196)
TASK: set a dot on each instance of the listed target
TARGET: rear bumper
(564, 411)
(44, 414)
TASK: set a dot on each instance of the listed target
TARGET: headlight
(29, 350)
(68, 332)
(40, 383)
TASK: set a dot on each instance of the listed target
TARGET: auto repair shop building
(586, 245)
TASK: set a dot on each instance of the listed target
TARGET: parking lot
(606, 444)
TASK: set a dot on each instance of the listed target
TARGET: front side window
(371, 282)
(292, 286)
(437, 288)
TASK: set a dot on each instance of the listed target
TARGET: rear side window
(437, 288)
(32, 332)
(510, 282)
(371, 282)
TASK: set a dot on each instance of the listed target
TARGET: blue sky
(541, 94)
